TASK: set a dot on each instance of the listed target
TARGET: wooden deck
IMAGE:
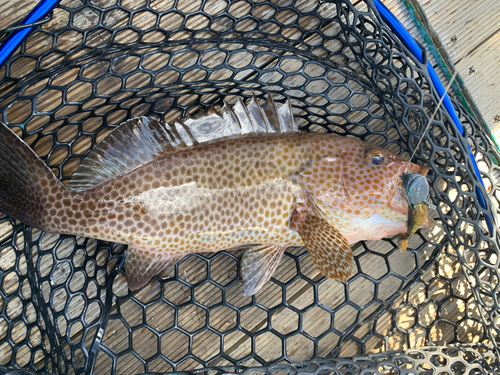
(469, 31)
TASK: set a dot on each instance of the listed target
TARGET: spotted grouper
(235, 176)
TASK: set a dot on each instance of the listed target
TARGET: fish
(416, 191)
(233, 176)
(417, 214)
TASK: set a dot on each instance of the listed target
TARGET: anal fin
(328, 248)
(258, 265)
(141, 265)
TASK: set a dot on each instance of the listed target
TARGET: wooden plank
(284, 320)
(469, 31)
(462, 25)
(398, 8)
(13, 11)
(484, 83)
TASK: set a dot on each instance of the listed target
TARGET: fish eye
(377, 159)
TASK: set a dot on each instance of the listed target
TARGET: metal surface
(65, 304)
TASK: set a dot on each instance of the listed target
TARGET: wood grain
(165, 334)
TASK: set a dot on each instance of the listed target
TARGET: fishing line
(432, 118)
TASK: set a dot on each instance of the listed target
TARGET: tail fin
(26, 183)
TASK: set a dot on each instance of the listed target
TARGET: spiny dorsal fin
(133, 143)
(141, 139)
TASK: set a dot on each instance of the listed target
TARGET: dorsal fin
(132, 143)
(141, 139)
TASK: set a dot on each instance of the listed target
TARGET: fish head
(387, 183)
(359, 189)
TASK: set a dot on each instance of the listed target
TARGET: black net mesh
(65, 303)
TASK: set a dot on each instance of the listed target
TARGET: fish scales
(274, 190)
(199, 199)
(226, 187)
(236, 187)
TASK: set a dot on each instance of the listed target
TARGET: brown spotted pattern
(224, 194)
(328, 248)
(28, 189)
(142, 262)
(216, 187)
(347, 188)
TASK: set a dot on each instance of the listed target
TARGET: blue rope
(405, 37)
(16, 37)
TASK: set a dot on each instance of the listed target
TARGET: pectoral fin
(328, 248)
(258, 265)
(141, 265)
